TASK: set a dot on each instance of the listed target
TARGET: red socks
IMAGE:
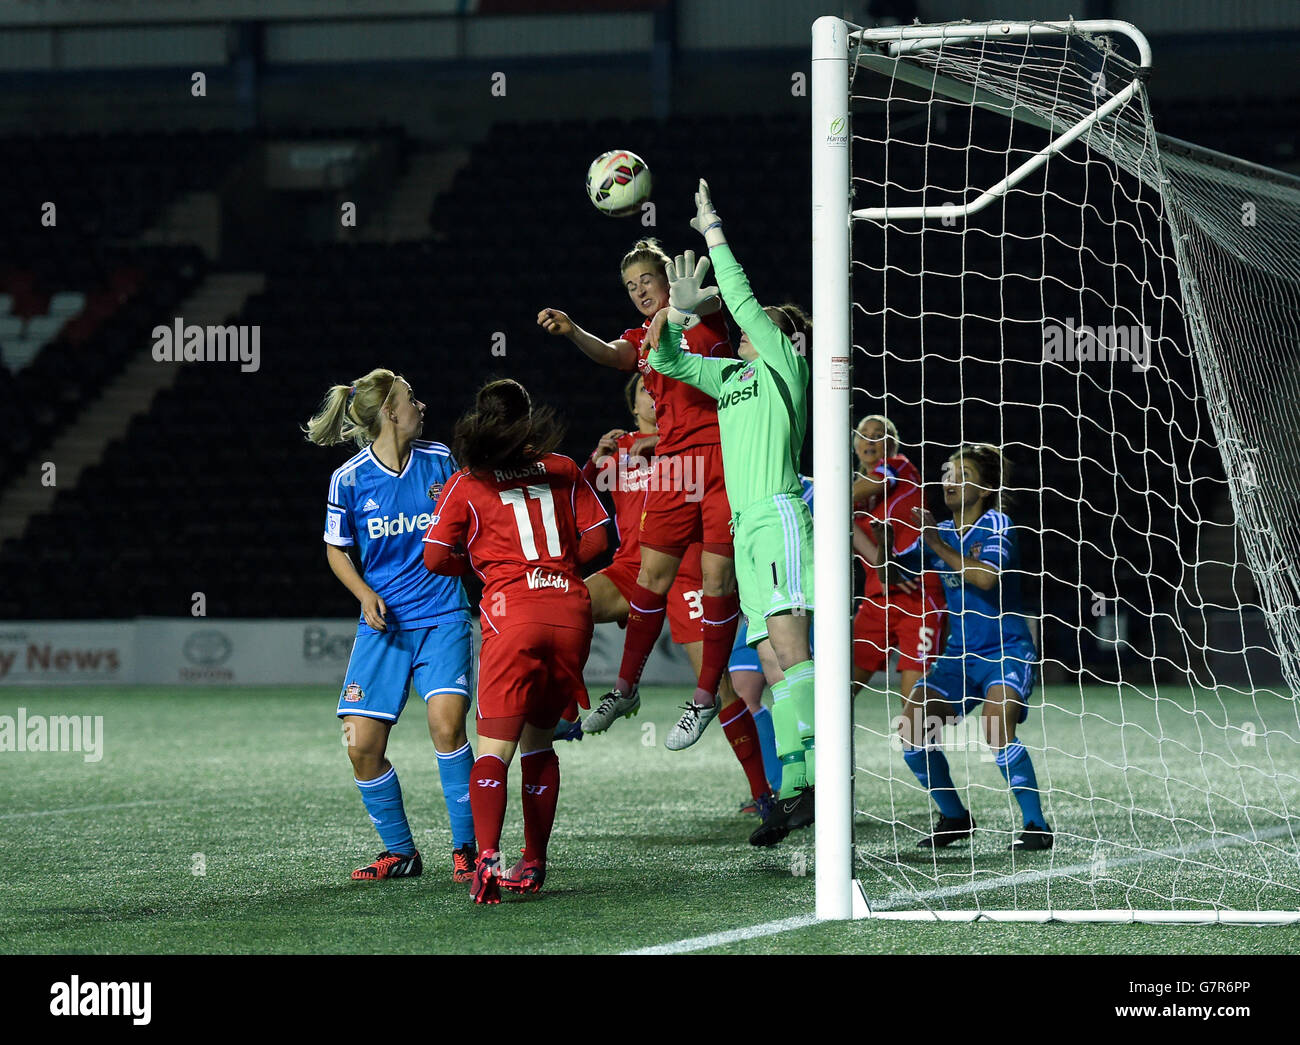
(721, 618)
(644, 623)
(487, 800)
(738, 725)
(541, 792)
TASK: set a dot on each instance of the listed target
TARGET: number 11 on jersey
(516, 500)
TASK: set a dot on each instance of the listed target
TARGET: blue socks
(383, 799)
(1018, 770)
(454, 769)
(767, 743)
(931, 768)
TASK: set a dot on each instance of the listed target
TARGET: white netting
(1155, 493)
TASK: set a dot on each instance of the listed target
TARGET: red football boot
(526, 876)
(486, 884)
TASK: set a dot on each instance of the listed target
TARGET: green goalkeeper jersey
(762, 404)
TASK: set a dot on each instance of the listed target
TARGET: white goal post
(1176, 848)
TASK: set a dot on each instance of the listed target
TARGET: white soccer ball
(618, 182)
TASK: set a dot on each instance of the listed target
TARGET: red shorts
(529, 672)
(911, 622)
(686, 501)
(685, 597)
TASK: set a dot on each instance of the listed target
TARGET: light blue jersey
(978, 621)
(385, 515)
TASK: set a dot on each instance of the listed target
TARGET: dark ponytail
(503, 431)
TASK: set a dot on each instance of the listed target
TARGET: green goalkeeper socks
(789, 746)
(799, 678)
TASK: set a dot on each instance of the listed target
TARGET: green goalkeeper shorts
(774, 561)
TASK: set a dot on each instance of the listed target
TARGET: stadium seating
(219, 465)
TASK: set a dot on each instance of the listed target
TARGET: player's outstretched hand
(686, 292)
(925, 523)
(553, 321)
(608, 444)
(374, 610)
(706, 221)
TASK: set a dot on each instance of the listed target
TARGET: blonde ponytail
(352, 411)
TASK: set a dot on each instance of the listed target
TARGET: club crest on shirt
(353, 693)
(434, 490)
(747, 373)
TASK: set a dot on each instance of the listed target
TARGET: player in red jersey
(621, 465)
(910, 616)
(685, 501)
(524, 519)
(618, 466)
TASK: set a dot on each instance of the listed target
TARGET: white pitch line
(91, 809)
(753, 932)
(895, 900)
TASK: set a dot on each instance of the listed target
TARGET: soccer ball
(618, 182)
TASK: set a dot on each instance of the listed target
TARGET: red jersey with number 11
(521, 530)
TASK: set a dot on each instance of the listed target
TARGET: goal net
(1031, 266)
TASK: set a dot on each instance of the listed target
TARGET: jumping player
(617, 465)
(909, 616)
(685, 501)
(413, 626)
(762, 416)
(989, 656)
(524, 519)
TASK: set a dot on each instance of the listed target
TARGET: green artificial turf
(226, 821)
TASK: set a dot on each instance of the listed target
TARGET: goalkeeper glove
(706, 221)
(685, 295)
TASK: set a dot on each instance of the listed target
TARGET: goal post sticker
(838, 131)
(839, 373)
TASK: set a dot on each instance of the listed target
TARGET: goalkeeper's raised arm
(762, 400)
(772, 331)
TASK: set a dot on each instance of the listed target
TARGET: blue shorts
(964, 679)
(744, 657)
(378, 680)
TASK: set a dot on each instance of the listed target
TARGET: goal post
(1034, 267)
(832, 383)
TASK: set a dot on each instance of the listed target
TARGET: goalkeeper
(762, 416)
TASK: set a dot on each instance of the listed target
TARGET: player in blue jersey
(989, 656)
(749, 675)
(414, 625)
